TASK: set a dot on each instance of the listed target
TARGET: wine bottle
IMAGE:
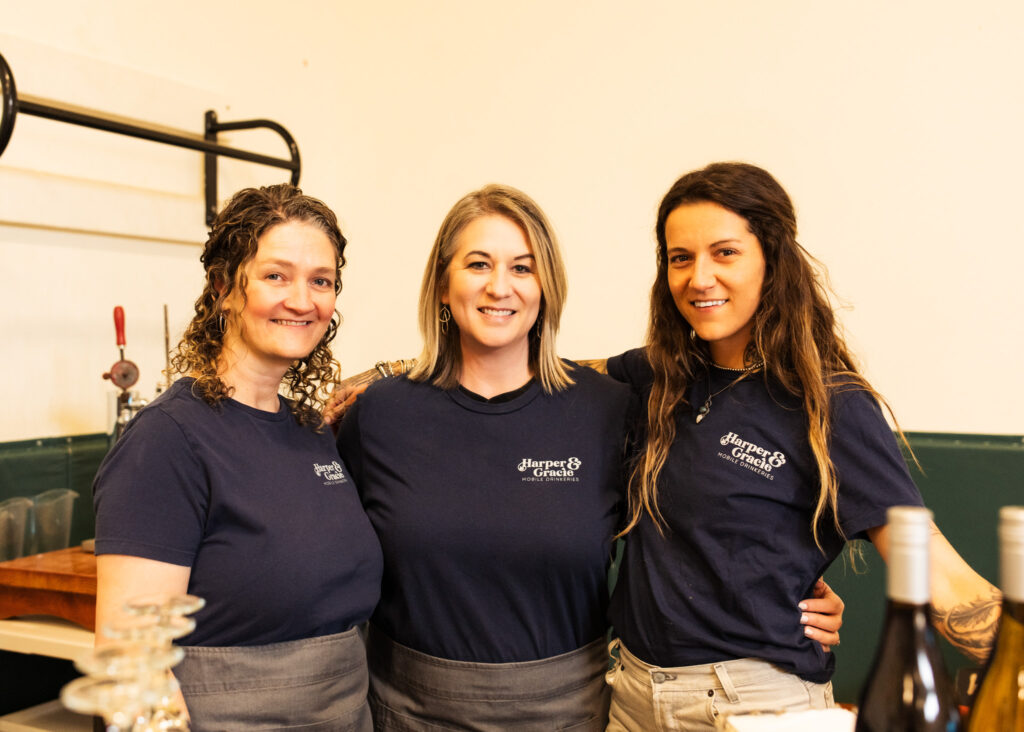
(908, 688)
(999, 705)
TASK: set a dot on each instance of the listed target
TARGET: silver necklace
(719, 366)
(705, 408)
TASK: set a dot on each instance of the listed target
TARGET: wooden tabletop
(60, 583)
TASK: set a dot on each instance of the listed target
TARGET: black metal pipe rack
(12, 106)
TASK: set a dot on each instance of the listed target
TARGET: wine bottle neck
(909, 608)
(1011, 552)
(1011, 570)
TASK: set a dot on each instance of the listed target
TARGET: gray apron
(413, 692)
(314, 684)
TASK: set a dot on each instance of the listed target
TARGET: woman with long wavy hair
(763, 451)
(225, 489)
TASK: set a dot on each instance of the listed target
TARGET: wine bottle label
(909, 542)
(1011, 552)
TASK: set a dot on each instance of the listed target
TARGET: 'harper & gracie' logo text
(331, 472)
(753, 457)
(551, 470)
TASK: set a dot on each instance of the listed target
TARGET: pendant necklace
(702, 412)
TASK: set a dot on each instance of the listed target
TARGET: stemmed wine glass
(120, 703)
(129, 682)
(164, 606)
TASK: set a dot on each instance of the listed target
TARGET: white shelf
(48, 717)
(45, 636)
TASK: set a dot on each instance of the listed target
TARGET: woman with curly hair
(225, 489)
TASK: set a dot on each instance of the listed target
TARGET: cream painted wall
(894, 126)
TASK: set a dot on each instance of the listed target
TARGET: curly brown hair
(232, 243)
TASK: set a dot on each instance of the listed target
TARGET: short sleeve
(871, 470)
(350, 441)
(151, 493)
(633, 368)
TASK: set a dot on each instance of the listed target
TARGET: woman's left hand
(822, 615)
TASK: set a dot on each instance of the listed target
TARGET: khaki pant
(651, 699)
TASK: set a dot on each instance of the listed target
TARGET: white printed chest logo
(563, 470)
(751, 456)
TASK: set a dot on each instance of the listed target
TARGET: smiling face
(715, 272)
(289, 298)
(493, 290)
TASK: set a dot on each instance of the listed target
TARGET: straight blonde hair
(440, 361)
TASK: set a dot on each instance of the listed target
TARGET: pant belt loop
(723, 676)
(613, 649)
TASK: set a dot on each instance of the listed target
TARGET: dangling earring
(693, 334)
(222, 322)
(444, 317)
(538, 326)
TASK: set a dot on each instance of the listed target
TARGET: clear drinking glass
(152, 630)
(128, 660)
(164, 605)
(122, 704)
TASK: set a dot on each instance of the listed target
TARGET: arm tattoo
(970, 626)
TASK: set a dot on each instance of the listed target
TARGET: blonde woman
(492, 474)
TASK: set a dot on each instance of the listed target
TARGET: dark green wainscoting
(965, 480)
(30, 467)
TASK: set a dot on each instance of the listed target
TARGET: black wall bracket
(12, 106)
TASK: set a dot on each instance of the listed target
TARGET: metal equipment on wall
(11, 106)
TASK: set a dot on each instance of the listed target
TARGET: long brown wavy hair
(795, 333)
(232, 243)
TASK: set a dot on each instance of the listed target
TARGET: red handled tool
(124, 373)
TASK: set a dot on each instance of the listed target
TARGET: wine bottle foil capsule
(1011, 552)
(910, 529)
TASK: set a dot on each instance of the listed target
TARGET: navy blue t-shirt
(259, 507)
(737, 493)
(495, 517)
